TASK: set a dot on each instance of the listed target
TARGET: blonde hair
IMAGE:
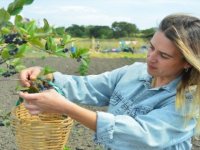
(184, 31)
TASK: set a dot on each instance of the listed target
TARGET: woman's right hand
(29, 74)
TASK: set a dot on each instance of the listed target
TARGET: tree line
(117, 30)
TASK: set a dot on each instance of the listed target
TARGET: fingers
(29, 103)
(24, 78)
(33, 109)
(28, 75)
(28, 97)
(35, 72)
(41, 102)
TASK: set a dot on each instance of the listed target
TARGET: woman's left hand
(46, 101)
(52, 102)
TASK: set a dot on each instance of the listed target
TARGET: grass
(107, 43)
(117, 55)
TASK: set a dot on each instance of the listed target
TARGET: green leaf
(84, 62)
(2, 70)
(21, 88)
(41, 35)
(19, 67)
(31, 27)
(18, 20)
(4, 17)
(36, 42)
(5, 30)
(15, 62)
(66, 39)
(21, 51)
(15, 7)
(46, 27)
(59, 53)
(51, 44)
(47, 70)
(23, 31)
(60, 31)
(28, 2)
(5, 53)
(33, 89)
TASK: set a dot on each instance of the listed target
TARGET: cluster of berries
(14, 38)
(9, 73)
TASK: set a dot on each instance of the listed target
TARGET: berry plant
(22, 36)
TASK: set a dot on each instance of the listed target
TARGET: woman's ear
(187, 65)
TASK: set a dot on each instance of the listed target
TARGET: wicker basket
(39, 132)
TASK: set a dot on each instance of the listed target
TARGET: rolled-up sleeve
(92, 89)
(156, 130)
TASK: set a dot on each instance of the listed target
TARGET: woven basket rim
(36, 118)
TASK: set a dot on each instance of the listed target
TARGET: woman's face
(164, 60)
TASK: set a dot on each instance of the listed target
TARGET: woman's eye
(164, 56)
(150, 47)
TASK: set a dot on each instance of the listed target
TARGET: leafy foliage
(20, 37)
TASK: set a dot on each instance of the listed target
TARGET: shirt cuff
(105, 128)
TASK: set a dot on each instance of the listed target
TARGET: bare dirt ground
(80, 137)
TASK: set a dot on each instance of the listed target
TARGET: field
(81, 137)
(102, 44)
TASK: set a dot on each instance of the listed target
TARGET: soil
(81, 138)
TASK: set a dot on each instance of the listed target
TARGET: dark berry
(9, 38)
(46, 46)
(65, 50)
(79, 58)
(41, 87)
(11, 67)
(12, 72)
(6, 74)
(14, 51)
(19, 41)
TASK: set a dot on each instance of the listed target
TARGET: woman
(141, 98)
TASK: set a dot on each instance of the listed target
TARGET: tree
(76, 31)
(148, 33)
(100, 32)
(124, 29)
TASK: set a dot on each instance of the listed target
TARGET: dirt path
(81, 137)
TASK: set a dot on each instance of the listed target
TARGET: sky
(143, 13)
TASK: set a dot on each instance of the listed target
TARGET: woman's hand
(47, 101)
(28, 75)
(51, 101)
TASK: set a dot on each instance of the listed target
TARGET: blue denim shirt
(139, 117)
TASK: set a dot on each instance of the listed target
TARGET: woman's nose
(152, 56)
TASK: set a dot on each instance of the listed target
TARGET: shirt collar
(170, 87)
